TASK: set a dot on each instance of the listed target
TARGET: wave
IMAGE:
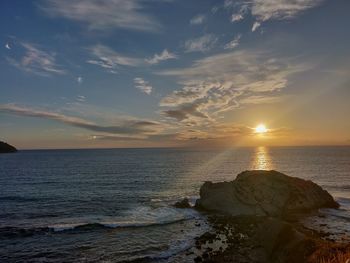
(343, 201)
(112, 225)
(11, 232)
(134, 218)
(343, 214)
(173, 199)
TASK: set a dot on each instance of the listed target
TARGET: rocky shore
(257, 218)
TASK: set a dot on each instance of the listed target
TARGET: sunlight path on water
(262, 160)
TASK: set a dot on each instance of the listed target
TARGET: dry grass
(331, 253)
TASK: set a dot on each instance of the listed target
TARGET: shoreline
(261, 217)
(265, 239)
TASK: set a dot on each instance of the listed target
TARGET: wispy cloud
(224, 82)
(264, 10)
(242, 11)
(198, 19)
(201, 44)
(236, 17)
(7, 46)
(233, 43)
(258, 99)
(255, 26)
(36, 61)
(109, 137)
(107, 58)
(143, 85)
(103, 14)
(81, 98)
(128, 126)
(184, 112)
(165, 55)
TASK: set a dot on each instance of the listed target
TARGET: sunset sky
(144, 73)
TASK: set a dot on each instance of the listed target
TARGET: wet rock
(198, 259)
(185, 203)
(263, 193)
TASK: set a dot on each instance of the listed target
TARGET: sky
(174, 73)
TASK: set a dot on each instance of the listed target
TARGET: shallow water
(115, 205)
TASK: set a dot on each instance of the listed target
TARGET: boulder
(263, 193)
(6, 148)
(185, 203)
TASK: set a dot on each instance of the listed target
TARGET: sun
(261, 128)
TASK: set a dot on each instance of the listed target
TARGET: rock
(282, 242)
(263, 193)
(185, 203)
(7, 148)
(198, 259)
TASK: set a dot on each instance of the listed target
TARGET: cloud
(165, 55)
(80, 80)
(234, 43)
(197, 20)
(160, 137)
(224, 82)
(36, 61)
(109, 137)
(264, 10)
(107, 58)
(255, 26)
(128, 126)
(216, 133)
(102, 14)
(81, 98)
(7, 46)
(143, 85)
(201, 44)
(243, 9)
(256, 99)
(184, 112)
(236, 17)
(223, 134)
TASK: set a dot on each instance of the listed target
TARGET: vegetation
(331, 253)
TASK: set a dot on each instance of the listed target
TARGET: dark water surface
(114, 205)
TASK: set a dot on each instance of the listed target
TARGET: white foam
(141, 216)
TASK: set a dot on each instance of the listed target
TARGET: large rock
(263, 193)
(6, 148)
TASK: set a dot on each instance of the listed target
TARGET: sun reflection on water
(261, 159)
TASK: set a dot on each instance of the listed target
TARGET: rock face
(263, 193)
(6, 148)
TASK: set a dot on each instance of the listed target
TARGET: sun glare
(261, 128)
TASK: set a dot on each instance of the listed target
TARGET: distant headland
(7, 148)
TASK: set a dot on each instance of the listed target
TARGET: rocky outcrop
(6, 148)
(184, 203)
(263, 193)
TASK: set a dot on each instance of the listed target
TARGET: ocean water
(115, 205)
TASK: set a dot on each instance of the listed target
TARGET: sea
(116, 205)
